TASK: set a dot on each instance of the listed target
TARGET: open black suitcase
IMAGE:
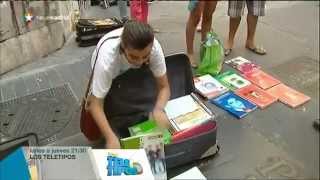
(90, 31)
(132, 96)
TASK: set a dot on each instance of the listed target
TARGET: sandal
(227, 51)
(258, 50)
(155, 30)
(193, 64)
(192, 61)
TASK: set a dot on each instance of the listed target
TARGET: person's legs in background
(145, 10)
(122, 5)
(198, 9)
(193, 20)
(235, 10)
(139, 10)
(208, 10)
(200, 21)
(255, 9)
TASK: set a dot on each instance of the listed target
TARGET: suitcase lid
(133, 94)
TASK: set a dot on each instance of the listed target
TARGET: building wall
(22, 42)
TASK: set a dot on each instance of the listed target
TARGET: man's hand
(161, 118)
(112, 142)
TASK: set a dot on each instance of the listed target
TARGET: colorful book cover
(234, 104)
(136, 142)
(241, 64)
(247, 67)
(147, 127)
(261, 79)
(232, 80)
(256, 95)
(132, 142)
(288, 95)
(190, 132)
(209, 87)
(124, 164)
(154, 146)
(236, 62)
(144, 127)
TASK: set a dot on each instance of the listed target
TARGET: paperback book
(288, 95)
(241, 64)
(148, 127)
(261, 79)
(187, 111)
(234, 104)
(256, 95)
(209, 87)
(232, 80)
(153, 144)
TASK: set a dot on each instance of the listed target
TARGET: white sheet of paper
(180, 106)
(193, 173)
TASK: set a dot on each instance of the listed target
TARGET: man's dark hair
(136, 35)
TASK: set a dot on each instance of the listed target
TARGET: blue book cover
(234, 104)
(14, 166)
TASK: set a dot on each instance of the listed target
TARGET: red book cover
(247, 67)
(261, 79)
(241, 64)
(288, 95)
(190, 132)
(256, 95)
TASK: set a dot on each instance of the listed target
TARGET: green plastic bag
(211, 56)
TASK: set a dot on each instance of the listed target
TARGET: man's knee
(194, 19)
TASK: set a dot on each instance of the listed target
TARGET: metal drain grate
(44, 113)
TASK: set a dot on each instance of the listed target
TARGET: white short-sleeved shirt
(110, 63)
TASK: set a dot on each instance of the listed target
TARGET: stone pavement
(276, 142)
